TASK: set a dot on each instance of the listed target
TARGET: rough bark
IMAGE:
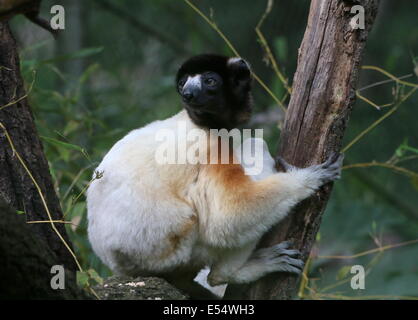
(323, 96)
(16, 187)
(26, 260)
(141, 288)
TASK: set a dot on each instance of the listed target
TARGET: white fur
(234, 60)
(193, 81)
(137, 207)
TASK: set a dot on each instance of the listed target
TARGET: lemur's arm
(241, 209)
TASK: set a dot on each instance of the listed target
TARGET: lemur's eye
(210, 81)
(181, 83)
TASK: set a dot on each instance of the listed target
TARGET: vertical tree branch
(323, 95)
(16, 187)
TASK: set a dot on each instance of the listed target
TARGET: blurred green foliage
(105, 76)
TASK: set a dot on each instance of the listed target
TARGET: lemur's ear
(240, 74)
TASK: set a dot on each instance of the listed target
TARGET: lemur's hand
(328, 171)
(285, 165)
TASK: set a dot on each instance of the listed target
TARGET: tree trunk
(16, 187)
(26, 261)
(323, 95)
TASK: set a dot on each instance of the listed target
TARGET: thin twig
(383, 82)
(235, 52)
(48, 221)
(75, 180)
(371, 297)
(96, 177)
(405, 159)
(378, 121)
(365, 253)
(389, 75)
(55, 221)
(371, 102)
(305, 278)
(384, 165)
(341, 282)
(267, 49)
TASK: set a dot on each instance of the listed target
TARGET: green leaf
(400, 152)
(374, 226)
(57, 72)
(65, 145)
(95, 276)
(414, 182)
(82, 279)
(83, 53)
(70, 127)
(78, 209)
(415, 150)
(20, 212)
(86, 74)
(342, 273)
(281, 47)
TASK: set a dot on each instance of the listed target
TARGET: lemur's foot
(280, 258)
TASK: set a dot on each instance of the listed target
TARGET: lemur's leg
(263, 261)
(231, 261)
(241, 210)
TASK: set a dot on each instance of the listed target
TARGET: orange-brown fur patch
(176, 238)
(231, 175)
(236, 189)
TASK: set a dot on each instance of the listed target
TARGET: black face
(202, 92)
(216, 90)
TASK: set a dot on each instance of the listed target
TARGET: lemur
(172, 220)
